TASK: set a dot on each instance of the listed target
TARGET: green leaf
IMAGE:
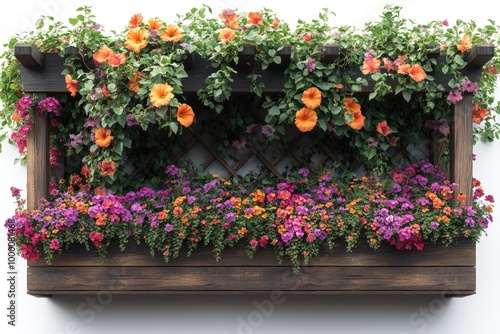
(407, 95)
(73, 21)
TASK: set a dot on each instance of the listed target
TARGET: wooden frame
(435, 270)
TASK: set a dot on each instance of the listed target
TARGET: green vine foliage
(130, 84)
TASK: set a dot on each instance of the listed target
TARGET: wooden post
(461, 146)
(37, 159)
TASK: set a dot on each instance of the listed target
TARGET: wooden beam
(461, 146)
(479, 55)
(37, 158)
(50, 79)
(29, 56)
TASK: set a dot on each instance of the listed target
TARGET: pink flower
(54, 244)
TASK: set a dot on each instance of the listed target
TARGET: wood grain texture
(461, 146)
(198, 69)
(37, 158)
(462, 254)
(339, 279)
(435, 270)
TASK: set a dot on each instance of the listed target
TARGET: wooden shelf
(434, 270)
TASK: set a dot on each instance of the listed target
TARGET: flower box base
(435, 270)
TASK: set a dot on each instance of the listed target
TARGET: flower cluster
(297, 218)
(23, 121)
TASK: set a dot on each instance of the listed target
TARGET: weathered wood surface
(435, 270)
(49, 78)
(37, 158)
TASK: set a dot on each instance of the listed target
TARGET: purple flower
(191, 199)
(267, 130)
(310, 64)
(287, 236)
(76, 140)
(445, 22)
(434, 225)
(372, 142)
(131, 120)
(320, 234)
(230, 217)
(169, 227)
(304, 172)
(251, 128)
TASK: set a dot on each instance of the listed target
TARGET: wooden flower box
(434, 270)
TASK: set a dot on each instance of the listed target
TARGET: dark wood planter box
(434, 270)
(448, 271)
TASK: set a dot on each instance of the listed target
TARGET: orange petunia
(16, 117)
(276, 23)
(351, 105)
(417, 73)
(305, 119)
(389, 65)
(135, 21)
(465, 43)
(133, 84)
(116, 59)
(173, 33)
(355, 120)
(71, 84)
(384, 129)
(100, 191)
(403, 68)
(185, 115)
(105, 91)
(226, 35)
(108, 168)
(154, 24)
(255, 18)
(85, 171)
(103, 137)
(161, 95)
(371, 65)
(353, 116)
(136, 39)
(102, 55)
(478, 113)
(311, 98)
(230, 18)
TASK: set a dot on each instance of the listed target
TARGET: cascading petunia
(103, 137)
(172, 33)
(185, 115)
(305, 119)
(71, 84)
(311, 98)
(161, 95)
(136, 39)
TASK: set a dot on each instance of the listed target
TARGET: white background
(247, 314)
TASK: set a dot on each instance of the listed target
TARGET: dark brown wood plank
(462, 254)
(479, 55)
(439, 279)
(29, 56)
(51, 80)
(37, 158)
(461, 146)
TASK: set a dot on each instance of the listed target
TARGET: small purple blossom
(469, 86)
(76, 140)
(267, 130)
(372, 142)
(311, 64)
(169, 227)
